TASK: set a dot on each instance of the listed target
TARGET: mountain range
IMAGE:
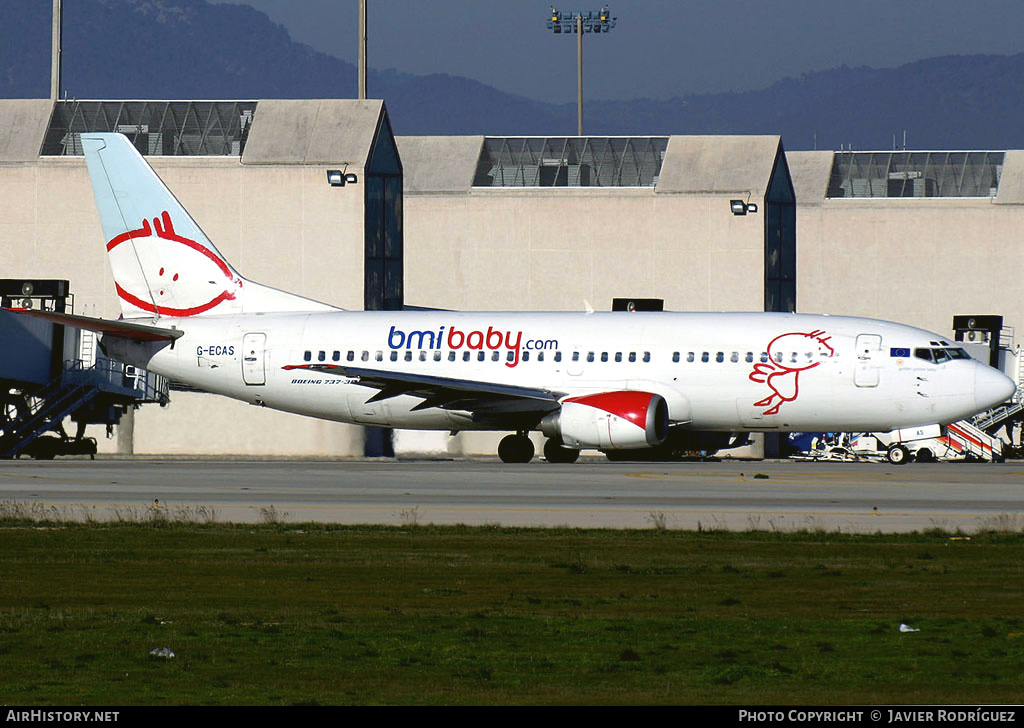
(191, 49)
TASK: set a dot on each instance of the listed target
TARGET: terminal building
(319, 198)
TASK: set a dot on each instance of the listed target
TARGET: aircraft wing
(481, 398)
(124, 329)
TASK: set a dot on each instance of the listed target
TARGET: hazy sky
(659, 48)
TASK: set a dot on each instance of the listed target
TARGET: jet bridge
(49, 373)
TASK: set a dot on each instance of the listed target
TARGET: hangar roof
(339, 131)
(313, 131)
(283, 131)
(22, 126)
(677, 164)
(810, 171)
(439, 163)
(901, 174)
(719, 164)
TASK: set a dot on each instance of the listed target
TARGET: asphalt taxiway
(735, 495)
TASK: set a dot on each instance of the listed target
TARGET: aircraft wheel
(555, 452)
(516, 449)
(898, 455)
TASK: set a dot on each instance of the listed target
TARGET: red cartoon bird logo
(783, 378)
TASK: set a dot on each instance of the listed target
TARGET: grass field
(305, 614)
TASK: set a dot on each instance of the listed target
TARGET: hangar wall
(553, 248)
(272, 213)
(915, 260)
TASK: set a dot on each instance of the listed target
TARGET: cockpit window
(940, 355)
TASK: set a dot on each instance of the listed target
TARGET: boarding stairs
(1009, 413)
(72, 392)
(971, 441)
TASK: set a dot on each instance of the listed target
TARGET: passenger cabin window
(618, 356)
(366, 356)
(558, 356)
(720, 357)
(675, 357)
(604, 356)
(647, 357)
(705, 357)
(308, 356)
(336, 356)
(590, 356)
(351, 356)
(690, 357)
(526, 356)
(451, 356)
(734, 357)
(632, 356)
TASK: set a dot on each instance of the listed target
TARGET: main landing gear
(518, 448)
(556, 452)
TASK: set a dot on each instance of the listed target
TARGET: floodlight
(335, 178)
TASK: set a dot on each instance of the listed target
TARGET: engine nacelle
(610, 421)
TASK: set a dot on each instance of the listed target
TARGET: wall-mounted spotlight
(338, 178)
(739, 207)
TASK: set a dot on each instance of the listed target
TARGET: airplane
(625, 383)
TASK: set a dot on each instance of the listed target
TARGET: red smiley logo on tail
(784, 379)
(179, 276)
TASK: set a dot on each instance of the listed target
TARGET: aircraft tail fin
(164, 265)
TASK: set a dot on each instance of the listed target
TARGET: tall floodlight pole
(362, 49)
(579, 23)
(55, 49)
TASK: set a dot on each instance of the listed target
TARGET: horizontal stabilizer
(136, 332)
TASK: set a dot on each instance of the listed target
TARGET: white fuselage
(717, 371)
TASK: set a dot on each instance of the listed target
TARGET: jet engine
(610, 421)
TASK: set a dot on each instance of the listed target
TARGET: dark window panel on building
(383, 281)
(915, 174)
(170, 128)
(570, 161)
(780, 240)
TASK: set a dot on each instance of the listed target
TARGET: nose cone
(991, 387)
